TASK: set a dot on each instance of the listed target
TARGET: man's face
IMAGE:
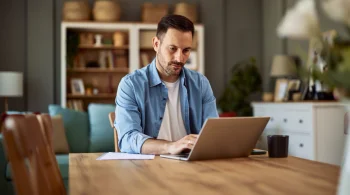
(173, 50)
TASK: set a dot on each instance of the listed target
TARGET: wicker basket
(106, 11)
(187, 10)
(76, 11)
(152, 13)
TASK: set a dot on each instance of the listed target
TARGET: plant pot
(228, 114)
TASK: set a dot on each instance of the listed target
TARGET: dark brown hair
(177, 22)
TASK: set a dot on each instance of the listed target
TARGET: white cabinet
(316, 130)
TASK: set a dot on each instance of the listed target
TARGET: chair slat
(111, 117)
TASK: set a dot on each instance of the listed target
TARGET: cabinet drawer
(296, 121)
(287, 118)
(268, 112)
(301, 146)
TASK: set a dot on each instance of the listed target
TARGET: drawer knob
(301, 145)
(300, 121)
(285, 120)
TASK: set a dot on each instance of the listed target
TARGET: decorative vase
(267, 97)
(118, 39)
(344, 181)
(98, 40)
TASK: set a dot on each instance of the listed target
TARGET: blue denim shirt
(141, 100)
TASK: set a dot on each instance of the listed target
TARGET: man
(161, 108)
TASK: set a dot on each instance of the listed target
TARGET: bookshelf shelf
(98, 96)
(147, 48)
(98, 70)
(103, 47)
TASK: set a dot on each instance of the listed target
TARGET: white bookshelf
(134, 30)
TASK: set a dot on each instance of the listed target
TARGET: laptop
(231, 137)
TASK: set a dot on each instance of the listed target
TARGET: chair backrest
(111, 117)
(46, 126)
(47, 130)
(33, 162)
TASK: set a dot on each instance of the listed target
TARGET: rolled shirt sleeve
(128, 119)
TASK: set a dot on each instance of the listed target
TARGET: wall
(272, 12)
(13, 41)
(40, 55)
(27, 39)
(243, 38)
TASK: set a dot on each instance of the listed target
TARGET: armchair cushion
(76, 125)
(59, 139)
(101, 133)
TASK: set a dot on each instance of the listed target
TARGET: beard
(172, 68)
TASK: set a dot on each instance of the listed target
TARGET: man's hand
(186, 142)
(155, 146)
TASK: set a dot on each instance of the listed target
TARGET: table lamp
(11, 85)
(283, 66)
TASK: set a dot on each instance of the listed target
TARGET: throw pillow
(60, 144)
(101, 133)
(76, 125)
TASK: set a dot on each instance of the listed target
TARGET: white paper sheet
(124, 156)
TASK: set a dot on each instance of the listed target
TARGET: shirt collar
(154, 76)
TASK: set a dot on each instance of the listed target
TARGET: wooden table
(253, 175)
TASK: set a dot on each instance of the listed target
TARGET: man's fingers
(193, 135)
(189, 140)
(188, 146)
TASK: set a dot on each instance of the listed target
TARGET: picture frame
(192, 62)
(77, 86)
(294, 85)
(281, 89)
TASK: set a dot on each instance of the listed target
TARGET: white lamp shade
(11, 84)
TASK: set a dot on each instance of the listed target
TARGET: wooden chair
(33, 162)
(111, 117)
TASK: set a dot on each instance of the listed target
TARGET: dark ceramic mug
(278, 146)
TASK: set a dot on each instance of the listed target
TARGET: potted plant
(245, 80)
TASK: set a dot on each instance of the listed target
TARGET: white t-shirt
(172, 127)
